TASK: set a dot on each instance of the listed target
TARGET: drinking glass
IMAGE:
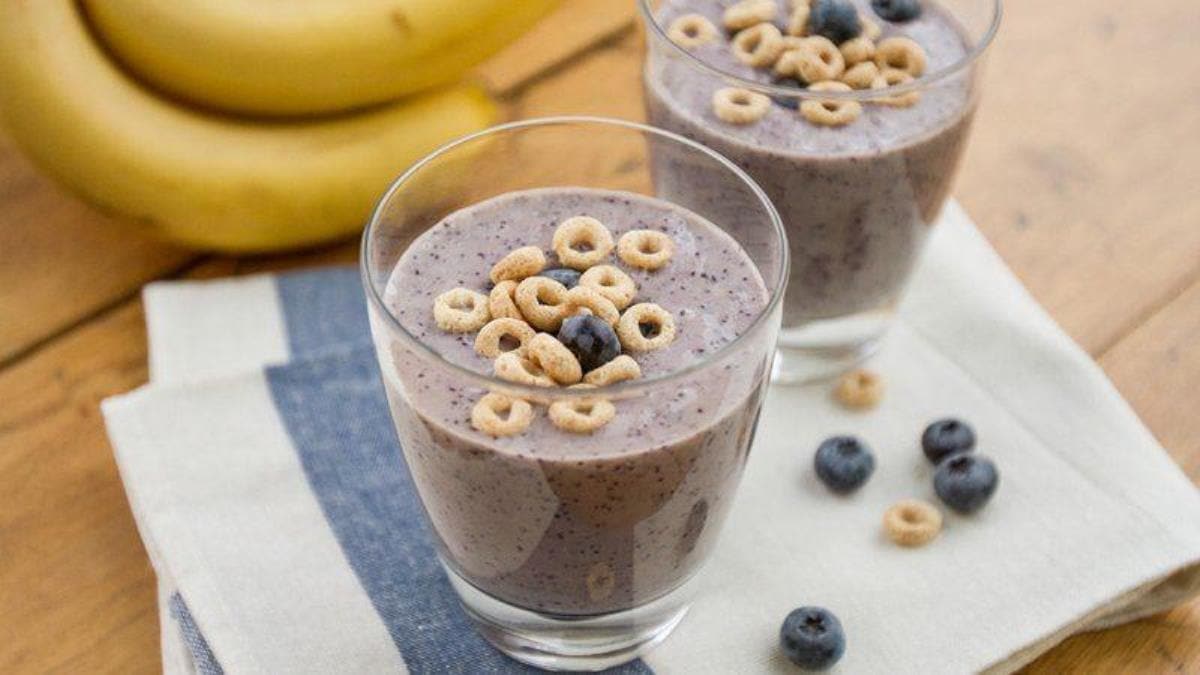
(857, 201)
(572, 551)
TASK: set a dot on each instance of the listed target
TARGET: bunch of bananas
(242, 125)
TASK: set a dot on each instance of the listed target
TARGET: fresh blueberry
(834, 19)
(789, 102)
(812, 637)
(564, 276)
(590, 339)
(966, 481)
(947, 437)
(897, 11)
(844, 463)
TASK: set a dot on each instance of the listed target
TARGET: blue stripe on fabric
(202, 657)
(323, 308)
(337, 416)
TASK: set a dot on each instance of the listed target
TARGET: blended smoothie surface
(857, 200)
(581, 524)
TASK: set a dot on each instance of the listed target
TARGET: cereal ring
(521, 263)
(542, 302)
(499, 415)
(691, 30)
(798, 21)
(859, 389)
(819, 60)
(870, 29)
(862, 75)
(612, 283)
(758, 46)
(582, 416)
(901, 53)
(889, 78)
(645, 249)
(500, 301)
(581, 241)
(553, 357)
(748, 13)
(912, 522)
(513, 367)
(829, 112)
(583, 297)
(489, 342)
(646, 326)
(460, 310)
(785, 65)
(856, 51)
(740, 106)
(618, 370)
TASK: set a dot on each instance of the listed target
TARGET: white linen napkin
(264, 475)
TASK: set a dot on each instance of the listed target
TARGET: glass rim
(627, 388)
(923, 82)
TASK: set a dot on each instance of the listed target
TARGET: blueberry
(947, 437)
(834, 19)
(843, 463)
(564, 276)
(897, 11)
(966, 481)
(590, 339)
(812, 637)
(789, 102)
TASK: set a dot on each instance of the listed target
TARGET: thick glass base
(822, 350)
(587, 643)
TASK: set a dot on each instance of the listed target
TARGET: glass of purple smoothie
(570, 520)
(854, 136)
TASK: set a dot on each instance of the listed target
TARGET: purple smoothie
(857, 201)
(569, 524)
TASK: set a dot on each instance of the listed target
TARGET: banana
(305, 56)
(205, 180)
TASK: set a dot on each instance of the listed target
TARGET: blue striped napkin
(267, 483)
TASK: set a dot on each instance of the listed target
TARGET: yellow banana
(305, 56)
(205, 180)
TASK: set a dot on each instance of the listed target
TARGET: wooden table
(1083, 172)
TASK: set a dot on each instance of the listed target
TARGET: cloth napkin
(267, 483)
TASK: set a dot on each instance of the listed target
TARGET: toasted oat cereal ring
(901, 53)
(501, 301)
(583, 415)
(861, 75)
(785, 65)
(553, 357)
(460, 310)
(859, 389)
(856, 51)
(490, 341)
(515, 367)
(601, 581)
(584, 297)
(758, 46)
(645, 249)
(582, 241)
(891, 77)
(740, 106)
(829, 112)
(748, 13)
(870, 28)
(645, 327)
(499, 415)
(691, 30)
(798, 20)
(612, 283)
(912, 522)
(519, 264)
(622, 368)
(542, 302)
(819, 60)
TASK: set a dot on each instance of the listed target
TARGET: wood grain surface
(1082, 173)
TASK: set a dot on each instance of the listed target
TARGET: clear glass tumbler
(575, 551)
(857, 200)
